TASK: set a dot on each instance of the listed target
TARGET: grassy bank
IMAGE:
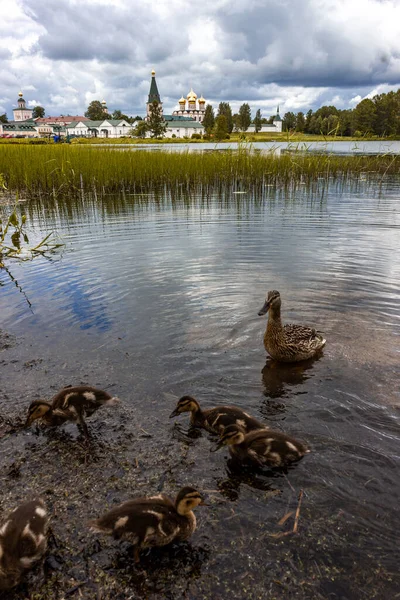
(75, 169)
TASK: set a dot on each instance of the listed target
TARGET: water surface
(152, 296)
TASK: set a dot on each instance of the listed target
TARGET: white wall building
(109, 128)
(22, 113)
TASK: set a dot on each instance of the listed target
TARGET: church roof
(186, 124)
(153, 93)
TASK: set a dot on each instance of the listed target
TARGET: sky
(298, 54)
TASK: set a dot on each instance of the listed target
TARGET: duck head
(273, 301)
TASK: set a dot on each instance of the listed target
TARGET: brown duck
(288, 343)
(215, 420)
(70, 404)
(151, 521)
(263, 447)
(23, 541)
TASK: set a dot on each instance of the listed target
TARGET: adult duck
(288, 343)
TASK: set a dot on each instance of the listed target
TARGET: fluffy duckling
(263, 447)
(215, 420)
(152, 521)
(288, 343)
(22, 541)
(70, 404)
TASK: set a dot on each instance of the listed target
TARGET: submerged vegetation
(74, 170)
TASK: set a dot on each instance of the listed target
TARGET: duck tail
(113, 401)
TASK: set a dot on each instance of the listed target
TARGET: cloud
(296, 53)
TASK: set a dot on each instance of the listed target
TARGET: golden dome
(153, 72)
(182, 100)
(191, 96)
(20, 94)
(104, 103)
(201, 99)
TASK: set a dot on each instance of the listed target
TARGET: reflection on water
(280, 379)
(160, 294)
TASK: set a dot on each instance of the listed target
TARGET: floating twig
(296, 518)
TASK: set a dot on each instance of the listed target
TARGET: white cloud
(296, 53)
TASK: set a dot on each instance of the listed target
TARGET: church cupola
(192, 97)
(154, 96)
(21, 101)
(104, 106)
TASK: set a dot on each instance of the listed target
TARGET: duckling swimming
(263, 447)
(288, 343)
(22, 541)
(70, 404)
(215, 420)
(152, 521)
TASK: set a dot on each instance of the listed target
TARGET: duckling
(70, 404)
(151, 521)
(215, 420)
(288, 343)
(22, 541)
(262, 447)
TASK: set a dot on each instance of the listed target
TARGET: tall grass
(73, 170)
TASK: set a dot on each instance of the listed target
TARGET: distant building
(191, 107)
(108, 128)
(274, 127)
(154, 96)
(61, 120)
(22, 113)
(178, 125)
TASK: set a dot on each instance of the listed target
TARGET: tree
(209, 119)
(308, 121)
(225, 110)
(119, 116)
(3, 118)
(300, 122)
(236, 122)
(257, 121)
(38, 112)
(95, 111)
(289, 121)
(221, 127)
(156, 124)
(140, 130)
(244, 117)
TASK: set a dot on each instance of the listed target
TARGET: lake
(151, 295)
(342, 147)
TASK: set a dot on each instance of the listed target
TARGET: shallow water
(342, 147)
(151, 296)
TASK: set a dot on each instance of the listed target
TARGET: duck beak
(217, 446)
(203, 503)
(264, 309)
(28, 421)
(174, 413)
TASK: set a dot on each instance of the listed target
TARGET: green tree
(209, 119)
(257, 121)
(156, 124)
(224, 109)
(300, 122)
(140, 129)
(326, 111)
(221, 127)
(3, 118)
(38, 112)
(95, 111)
(236, 122)
(387, 113)
(289, 121)
(365, 116)
(244, 117)
(308, 120)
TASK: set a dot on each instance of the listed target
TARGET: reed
(75, 170)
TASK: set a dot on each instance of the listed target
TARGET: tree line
(378, 116)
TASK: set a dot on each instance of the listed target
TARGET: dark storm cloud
(117, 34)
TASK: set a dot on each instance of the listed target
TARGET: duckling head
(37, 410)
(185, 404)
(273, 300)
(233, 434)
(187, 499)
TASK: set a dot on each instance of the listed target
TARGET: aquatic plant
(75, 170)
(13, 234)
